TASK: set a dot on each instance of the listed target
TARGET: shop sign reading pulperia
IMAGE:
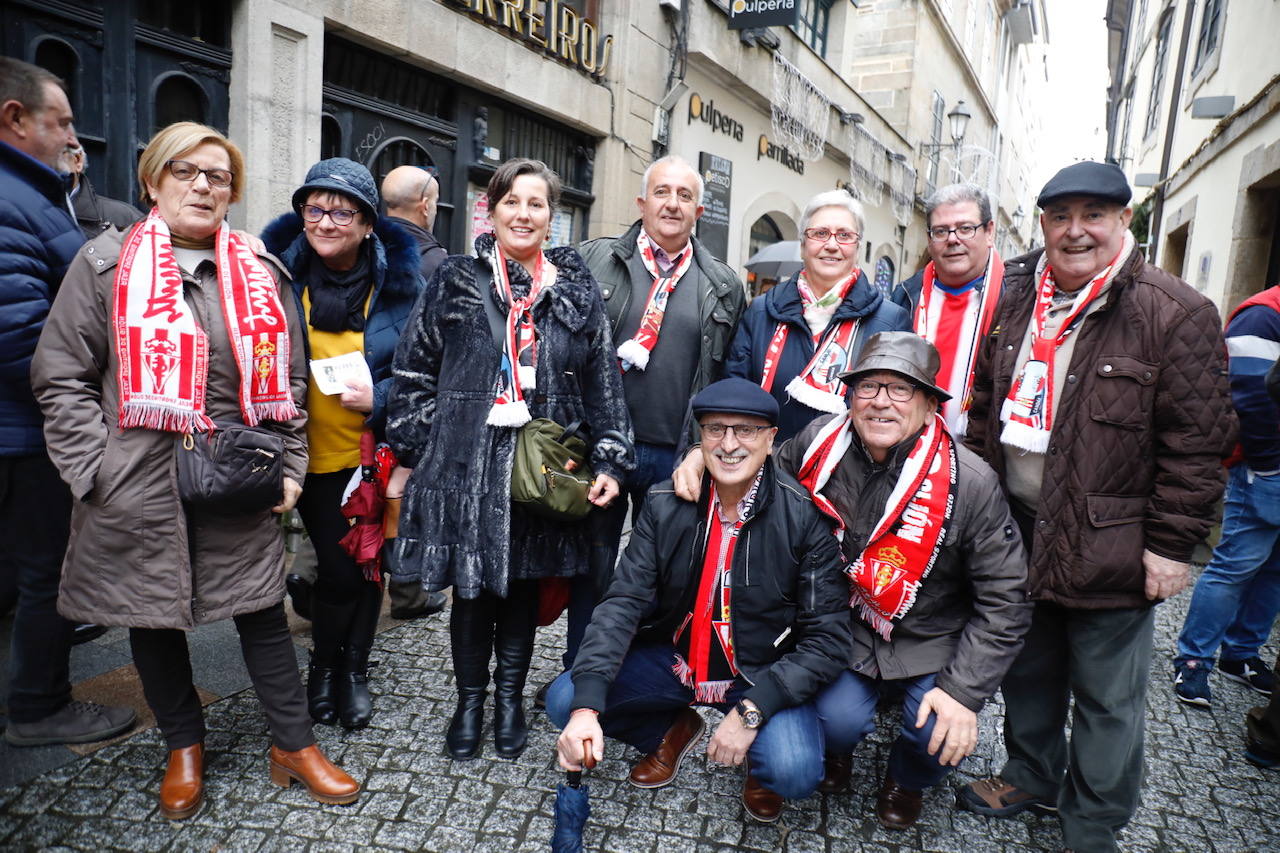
(549, 26)
(705, 111)
(749, 14)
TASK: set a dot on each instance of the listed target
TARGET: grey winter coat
(457, 524)
(136, 558)
(971, 611)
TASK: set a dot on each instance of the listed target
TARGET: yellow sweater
(333, 432)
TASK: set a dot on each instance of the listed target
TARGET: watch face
(751, 718)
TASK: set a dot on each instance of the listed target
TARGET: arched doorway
(765, 231)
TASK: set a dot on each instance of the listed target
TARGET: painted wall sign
(748, 14)
(783, 155)
(705, 111)
(713, 225)
(549, 26)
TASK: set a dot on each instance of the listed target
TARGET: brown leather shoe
(182, 791)
(836, 771)
(325, 782)
(761, 803)
(896, 806)
(659, 767)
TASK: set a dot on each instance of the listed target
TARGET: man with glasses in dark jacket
(737, 602)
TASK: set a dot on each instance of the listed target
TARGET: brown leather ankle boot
(182, 791)
(324, 781)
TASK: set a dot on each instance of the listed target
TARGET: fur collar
(395, 254)
(571, 299)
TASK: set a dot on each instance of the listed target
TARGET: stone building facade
(1194, 120)
(597, 88)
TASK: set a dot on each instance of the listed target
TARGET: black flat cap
(904, 353)
(736, 396)
(1099, 180)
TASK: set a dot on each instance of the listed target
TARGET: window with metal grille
(1157, 72)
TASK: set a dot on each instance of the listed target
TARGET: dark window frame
(1158, 71)
(1209, 37)
(814, 24)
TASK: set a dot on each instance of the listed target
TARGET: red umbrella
(365, 506)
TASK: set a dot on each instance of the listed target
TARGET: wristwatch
(750, 714)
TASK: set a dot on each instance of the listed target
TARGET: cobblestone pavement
(1200, 795)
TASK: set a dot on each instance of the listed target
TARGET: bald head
(411, 193)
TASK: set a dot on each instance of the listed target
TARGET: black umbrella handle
(574, 777)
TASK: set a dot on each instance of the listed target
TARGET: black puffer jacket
(457, 524)
(790, 596)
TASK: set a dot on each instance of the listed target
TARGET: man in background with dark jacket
(1101, 401)
(938, 568)
(38, 238)
(737, 602)
(411, 194)
(673, 309)
(1238, 594)
(95, 213)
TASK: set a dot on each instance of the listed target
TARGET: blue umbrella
(573, 807)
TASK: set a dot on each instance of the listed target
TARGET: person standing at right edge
(1101, 401)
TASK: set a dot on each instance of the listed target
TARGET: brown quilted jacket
(1134, 459)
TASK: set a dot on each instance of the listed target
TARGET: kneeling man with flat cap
(737, 601)
(937, 567)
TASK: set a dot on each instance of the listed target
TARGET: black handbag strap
(492, 311)
(569, 431)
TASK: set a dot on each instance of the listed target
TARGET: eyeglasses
(869, 389)
(822, 235)
(184, 171)
(744, 432)
(940, 234)
(340, 215)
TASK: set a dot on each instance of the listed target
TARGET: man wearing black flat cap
(937, 567)
(737, 602)
(1101, 400)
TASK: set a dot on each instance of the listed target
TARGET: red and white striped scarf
(518, 370)
(818, 385)
(955, 324)
(904, 544)
(705, 659)
(164, 355)
(1027, 412)
(635, 351)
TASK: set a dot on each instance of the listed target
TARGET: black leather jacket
(790, 615)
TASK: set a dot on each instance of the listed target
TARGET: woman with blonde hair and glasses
(172, 328)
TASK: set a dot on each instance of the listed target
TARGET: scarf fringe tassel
(512, 414)
(1020, 435)
(706, 692)
(165, 418)
(874, 618)
(528, 375)
(633, 354)
(814, 398)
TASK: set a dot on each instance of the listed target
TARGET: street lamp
(1016, 218)
(959, 118)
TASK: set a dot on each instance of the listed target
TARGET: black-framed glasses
(744, 432)
(343, 216)
(869, 389)
(822, 235)
(187, 172)
(940, 233)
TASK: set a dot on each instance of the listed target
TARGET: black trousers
(1263, 722)
(338, 578)
(35, 514)
(164, 665)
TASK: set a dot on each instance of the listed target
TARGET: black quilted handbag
(234, 469)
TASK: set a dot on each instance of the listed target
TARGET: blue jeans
(646, 696)
(654, 463)
(1238, 594)
(847, 709)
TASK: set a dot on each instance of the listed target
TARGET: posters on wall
(559, 234)
(713, 227)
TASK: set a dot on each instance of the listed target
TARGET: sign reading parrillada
(748, 14)
(550, 26)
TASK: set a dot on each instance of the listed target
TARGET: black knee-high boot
(330, 624)
(513, 647)
(471, 635)
(355, 705)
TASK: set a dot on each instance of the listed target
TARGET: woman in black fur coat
(460, 396)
